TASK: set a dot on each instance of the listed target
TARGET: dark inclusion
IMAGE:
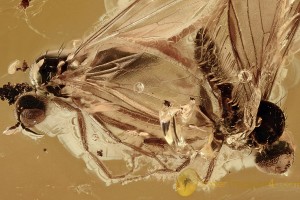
(206, 55)
(56, 90)
(49, 69)
(10, 92)
(49, 66)
(31, 109)
(272, 123)
(30, 102)
(270, 118)
(100, 153)
(24, 3)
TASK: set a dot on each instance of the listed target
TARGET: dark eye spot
(30, 110)
(31, 117)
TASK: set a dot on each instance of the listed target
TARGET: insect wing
(250, 40)
(261, 33)
(151, 24)
(135, 81)
(286, 39)
(148, 65)
(120, 85)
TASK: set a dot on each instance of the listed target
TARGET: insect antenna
(13, 127)
(23, 127)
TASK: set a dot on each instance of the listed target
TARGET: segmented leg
(126, 176)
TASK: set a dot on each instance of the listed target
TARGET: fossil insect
(169, 89)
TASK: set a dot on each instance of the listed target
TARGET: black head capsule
(48, 66)
(276, 158)
(30, 110)
(272, 123)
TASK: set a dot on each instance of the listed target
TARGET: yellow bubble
(187, 182)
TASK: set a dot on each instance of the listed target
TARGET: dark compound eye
(30, 110)
(275, 158)
(272, 123)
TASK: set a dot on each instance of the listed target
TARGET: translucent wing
(278, 47)
(154, 25)
(260, 33)
(248, 41)
(152, 86)
(144, 19)
(248, 38)
(132, 95)
(149, 44)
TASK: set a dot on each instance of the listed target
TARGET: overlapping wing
(132, 78)
(147, 68)
(249, 40)
(155, 25)
(143, 57)
(159, 47)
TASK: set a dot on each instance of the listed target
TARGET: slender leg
(212, 163)
(82, 129)
(123, 177)
(210, 170)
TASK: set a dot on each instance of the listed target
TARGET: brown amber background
(27, 172)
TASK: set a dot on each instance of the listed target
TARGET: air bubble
(95, 137)
(138, 87)
(187, 182)
(245, 76)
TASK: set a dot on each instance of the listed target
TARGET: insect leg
(178, 169)
(100, 120)
(126, 177)
(210, 169)
(122, 178)
(135, 148)
(217, 145)
(82, 129)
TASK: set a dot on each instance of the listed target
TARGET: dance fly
(178, 90)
